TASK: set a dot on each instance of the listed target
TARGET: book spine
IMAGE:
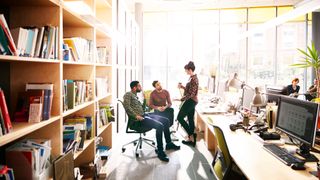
(5, 112)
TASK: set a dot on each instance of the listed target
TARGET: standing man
(134, 108)
(161, 103)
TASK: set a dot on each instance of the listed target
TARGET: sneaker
(162, 156)
(171, 146)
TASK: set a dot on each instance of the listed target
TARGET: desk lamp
(258, 101)
(235, 83)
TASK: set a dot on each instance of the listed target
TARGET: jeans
(168, 113)
(187, 109)
(161, 124)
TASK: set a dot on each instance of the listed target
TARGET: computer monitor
(273, 93)
(298, 119)
(247, 96)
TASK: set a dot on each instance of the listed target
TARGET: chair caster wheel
(134, 143)
(156, 150)
(137, 155)
(153, 143)
(123, 150)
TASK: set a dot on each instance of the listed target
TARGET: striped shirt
(132, 104)
(191, 89)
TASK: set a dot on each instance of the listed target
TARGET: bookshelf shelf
(103, 65)
(85, 146)
(8, 58)
(77, 108)
(78, 63)
(73, 20)
(103, 128)
(103, 97)
(23, 128)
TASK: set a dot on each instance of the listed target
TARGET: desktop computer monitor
(298, 119)
(273, 93)
(247, 96)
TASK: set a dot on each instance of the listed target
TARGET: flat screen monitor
(247, 96)
(298, 119)
(273, 93)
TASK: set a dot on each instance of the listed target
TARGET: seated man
(161, 103)
(312, 91)
(135, 109)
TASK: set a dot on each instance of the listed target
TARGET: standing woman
(190, 98)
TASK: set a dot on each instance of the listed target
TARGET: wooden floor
(186, 163)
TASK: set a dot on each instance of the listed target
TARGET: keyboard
(282, 154)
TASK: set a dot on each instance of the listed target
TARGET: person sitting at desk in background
(312, 91)
(293, 88)
(134, 108)
(190, 98)
(160, 101)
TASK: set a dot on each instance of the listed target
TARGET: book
(63, 167)
(5, 27)
(39, 42)
(4, 43)
(3, 127)
(71, 94)
(5, 113)
(35, 109)
(83, 138)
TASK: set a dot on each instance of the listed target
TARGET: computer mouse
(298, 166)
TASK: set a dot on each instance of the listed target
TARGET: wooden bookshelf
(98, 28)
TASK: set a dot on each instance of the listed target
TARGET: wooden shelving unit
(98, 27)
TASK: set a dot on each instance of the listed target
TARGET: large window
(233, 49)
(215, 40)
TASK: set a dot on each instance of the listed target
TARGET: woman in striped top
(190, 100)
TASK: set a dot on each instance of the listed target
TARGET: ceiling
(170, 5)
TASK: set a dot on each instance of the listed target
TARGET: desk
(248, 153)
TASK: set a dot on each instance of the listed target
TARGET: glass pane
(233, 50)
(290, 37)
(261, 57)
(284, 10)
(205, 45)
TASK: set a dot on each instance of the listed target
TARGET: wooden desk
(248, 153)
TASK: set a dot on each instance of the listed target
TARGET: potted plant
(311, 59)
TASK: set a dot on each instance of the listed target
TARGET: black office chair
(133, 126)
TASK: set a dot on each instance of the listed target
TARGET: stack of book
(5, 122)
(29, 158)
(75, 131)
(102, 87)
(34, 105)
(76, 92)
(78, 49)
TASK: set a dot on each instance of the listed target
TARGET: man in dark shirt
(134, 108)
(160, 101)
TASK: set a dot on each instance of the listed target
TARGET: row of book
(35, 103)
(78, 49)
(106, 114)
(103, 54)
(75, 131)
(102, 87)
(41, 42)
(76, 92)
(29, 158)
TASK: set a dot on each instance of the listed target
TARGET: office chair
(223, 165)
(133, 127)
